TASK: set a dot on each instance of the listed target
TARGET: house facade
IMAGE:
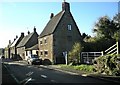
(13, 47)
(28, 41)
(59, 35)
(32, 50)
(11, 50)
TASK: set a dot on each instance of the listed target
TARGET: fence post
(102, 53)
(117, 48)
(81, 58)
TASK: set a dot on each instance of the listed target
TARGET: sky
(21, 16)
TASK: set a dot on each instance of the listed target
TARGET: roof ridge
(52, 23)
(25, 39)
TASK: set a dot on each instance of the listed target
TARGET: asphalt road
(26, 74)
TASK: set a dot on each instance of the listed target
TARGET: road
(37, 74)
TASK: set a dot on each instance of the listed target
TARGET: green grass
(87, 68)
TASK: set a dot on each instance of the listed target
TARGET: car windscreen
(34, 56)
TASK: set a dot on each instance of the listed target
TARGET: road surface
(35, 74)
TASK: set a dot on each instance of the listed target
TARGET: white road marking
(26, 80)
(29, 74)
(16, 63)
(44, 76)
(84, 75)
(12, 75)
(53, 81)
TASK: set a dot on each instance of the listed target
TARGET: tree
(74, 54)
(116, 21)
(85, 37)
(102, 28)
(107, 28)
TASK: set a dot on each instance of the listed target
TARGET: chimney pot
(14, 39)
(51, 16)
(65, 6)
(34, 29)
(22, 34)
(9, 41)
(28, 32)
(16, 36)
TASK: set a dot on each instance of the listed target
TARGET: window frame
(69, 27)
(46, 54)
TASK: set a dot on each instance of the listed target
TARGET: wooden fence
(88, 57)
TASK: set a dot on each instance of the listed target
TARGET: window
(41, 53)
(69, 38)
(45, 41)
(26, 53)
(40, 42)
(46, 53)
(69, 27)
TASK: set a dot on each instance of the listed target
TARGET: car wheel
(31, 63)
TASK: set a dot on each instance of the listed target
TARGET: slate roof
(35, 47)
(52, 24)
(13, 44)
(25, 40)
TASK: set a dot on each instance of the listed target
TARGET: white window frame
(69, 27)
(42, 52)
(47, 52)
(41, 41)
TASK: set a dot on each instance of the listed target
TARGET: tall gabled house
(13, 47)
(28, 41)
(59, 35)
(7, 50)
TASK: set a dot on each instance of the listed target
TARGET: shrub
(109, 64)
(87, 68)
(74, 54)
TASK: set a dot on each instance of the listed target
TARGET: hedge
(109, 64)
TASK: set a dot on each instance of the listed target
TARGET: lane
(22, 73)
(38, 74)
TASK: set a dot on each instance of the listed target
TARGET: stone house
(28, 41)
(32, 50)
(13, 47)
(7, 50)
(58, 36)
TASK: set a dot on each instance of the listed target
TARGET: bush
(109, 64)
(74, 54)
(87, 68)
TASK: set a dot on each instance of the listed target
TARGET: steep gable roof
(51, 25)
(25, 40)
(35, 47)
(13, 44)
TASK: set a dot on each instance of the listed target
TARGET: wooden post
(117, 48)
(102, 53)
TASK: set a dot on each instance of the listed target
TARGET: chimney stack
(65, 6)
(28, 32)
(16, 36)
(9, 41)
(34, 29)
(51, 16)
(22, 34)
(14, 39)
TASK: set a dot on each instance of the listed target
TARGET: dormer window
(69, 27)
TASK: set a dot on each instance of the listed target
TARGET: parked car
(2, 57)
(34, 59)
